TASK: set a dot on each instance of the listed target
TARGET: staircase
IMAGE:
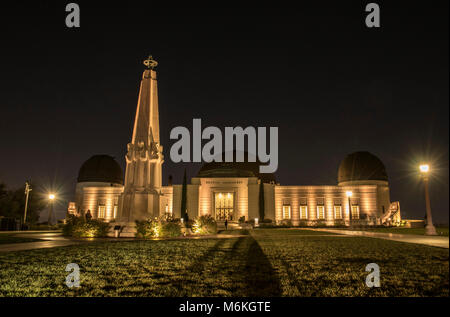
(393, 214)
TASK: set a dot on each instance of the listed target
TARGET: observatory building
(226, 191)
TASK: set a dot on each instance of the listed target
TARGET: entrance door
(224, 203)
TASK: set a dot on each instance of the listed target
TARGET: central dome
(361, 166)
(235, 169)
(101, 168)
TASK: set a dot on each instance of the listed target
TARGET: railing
(394, 209)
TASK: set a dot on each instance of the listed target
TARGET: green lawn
(442, 231)
(267, 262)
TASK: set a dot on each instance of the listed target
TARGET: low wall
(414, 223)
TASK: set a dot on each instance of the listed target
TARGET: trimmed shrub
(242, 219)
(146, 228)
(321, 224)
(80, 228)
(286, 223)
(204, 225)
(170, 229)
(158, 228)
(71, 222)
(339, 223)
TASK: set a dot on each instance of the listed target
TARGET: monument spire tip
(150, 63)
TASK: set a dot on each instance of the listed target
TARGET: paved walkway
(55, 239)
(435, 241)
(51, 240)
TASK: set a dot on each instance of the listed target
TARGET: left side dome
(101, 168)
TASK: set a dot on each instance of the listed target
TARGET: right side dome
(361, 166)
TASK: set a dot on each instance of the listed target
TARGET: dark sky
(331, 85)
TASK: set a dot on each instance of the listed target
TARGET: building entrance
(224, 203)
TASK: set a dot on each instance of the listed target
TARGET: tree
(2, 190)
(184, 214)
(261, 201)
(12, 203)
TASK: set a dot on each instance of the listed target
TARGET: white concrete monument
(141, 197)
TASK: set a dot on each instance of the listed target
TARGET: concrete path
(51, 240)
(435, 241)
(55, 239)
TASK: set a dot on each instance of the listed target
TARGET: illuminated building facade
(226, 191)
(99, 186)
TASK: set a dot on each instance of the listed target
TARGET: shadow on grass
(200, 262)
(261, 278)
(242, 267)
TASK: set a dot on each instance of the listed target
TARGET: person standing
(88, 215)
(226, 224)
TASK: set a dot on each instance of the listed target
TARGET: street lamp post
(429, 228)
(349, 194)
(51, 197)
(27, 193)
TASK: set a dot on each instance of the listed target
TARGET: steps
(393, 214)
(232, 225)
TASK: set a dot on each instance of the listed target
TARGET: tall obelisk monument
(143, 176)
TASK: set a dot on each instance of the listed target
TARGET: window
(101, 211)
(115, 211)
(355, 212)
(287, 212)
(337, 212)
(303, 212)
(320, 212)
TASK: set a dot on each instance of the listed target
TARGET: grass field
(442, 231)
(266, 262)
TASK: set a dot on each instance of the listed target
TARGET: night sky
(331, 85)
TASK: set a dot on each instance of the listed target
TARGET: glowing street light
(51, 196)
(424, 168)
(429, 228)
